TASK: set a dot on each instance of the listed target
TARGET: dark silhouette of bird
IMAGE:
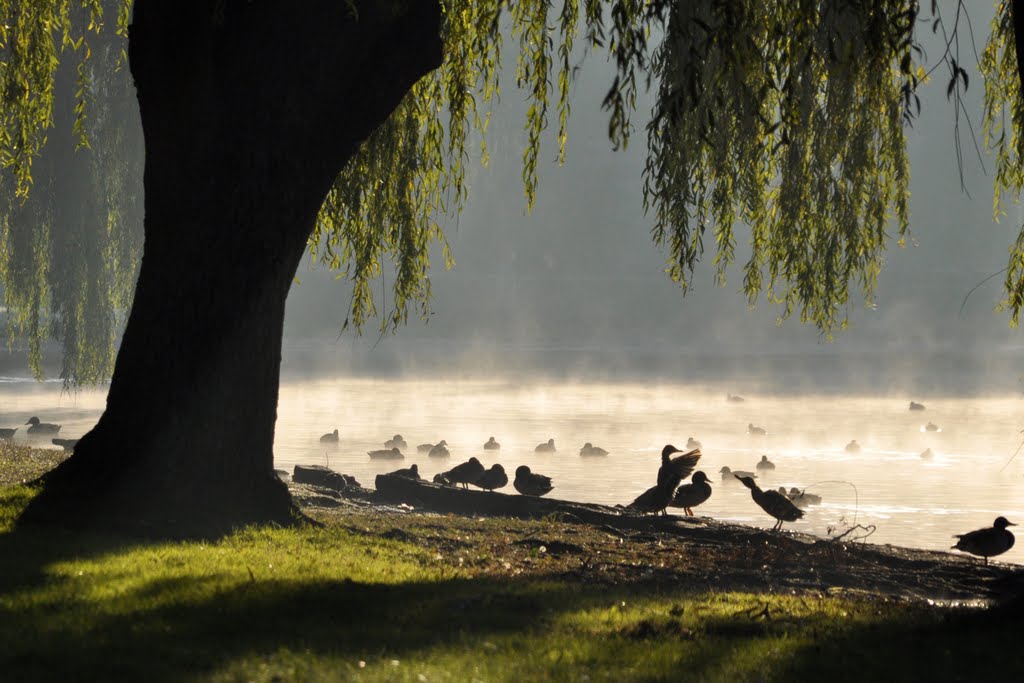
(852, 447)
(424, 447)
(732, 475)
(800, 498)
(331, 437)
(408, 473)
(774, 503)
(765, 464)
(530, 483)
(590, 450)
(467, 473)
(674, 470)
(548, 447)
(492, 445)
(653, 500)
(439, 479)
(440, 450)
(987, 542)
(7, 434)
(494, 478)
(931, 427)
(916, 406)
(927, 454)
(386, 454)
(396, 442)
(691, 495)
(732, 398)
(41, 427)
(756, 431)
(66, 444)
(692, 443)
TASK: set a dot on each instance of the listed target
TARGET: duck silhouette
(530, 483)
(548, 447)
(927, 454)
(731, 475)
(732, 398)
(331, 437)
(7, 434)
(852, 447)
(386, 454)
(774, 503)
(674, 470)
(424, 448)
(408, 473)
(756, 431)
(66, 444)
(691, 495)
(916, 406)
(987, 542)
(492, 445)
(765, 464)
(440, 450)
(692, 443)
(653, 500)
(590, 450)
(494, 478)
(800, 498)
(396, 442)
(467, 473)
(932, 427)
(41, 427)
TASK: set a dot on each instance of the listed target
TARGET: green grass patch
(335, 604)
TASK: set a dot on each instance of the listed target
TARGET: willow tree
(343, 128)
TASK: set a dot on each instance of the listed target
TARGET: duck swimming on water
(386, 454)
(932, 427)
(774, 503)
(396, 442)
(440, 450)
(732, 398)
(41, 427)
(765, 464)
(987, 542)
(927, 454)
(692, 443)
(916, 406)
(852, 447)
(732, 475)
(548, 447)
(800, 498)
(756, 431)
(492, 445)
(693, 494)
(590, 450)
(531, 484)
(332, 437)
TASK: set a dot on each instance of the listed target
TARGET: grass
(360, 600)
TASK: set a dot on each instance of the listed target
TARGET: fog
(576, 288)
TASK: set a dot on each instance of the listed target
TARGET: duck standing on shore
(494, 478)
(531, 484)
(548, 447)
(653, 500)
(440, 450)
(408, 473)
(774, 503)
(765, 464)
(332, 437)
(987, 542)
(386, 454)
(467, 473)
(41, 427)
(691, 495)
(492, 445)
(674, 470)
(589, 450)
(756, 431)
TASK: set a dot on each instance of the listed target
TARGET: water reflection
(912, 501)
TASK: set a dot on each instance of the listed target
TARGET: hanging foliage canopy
(779, 123)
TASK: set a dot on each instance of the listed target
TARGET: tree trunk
(249, 111)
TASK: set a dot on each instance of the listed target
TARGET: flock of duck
(39, 428)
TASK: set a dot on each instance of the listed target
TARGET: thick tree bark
(249, 111)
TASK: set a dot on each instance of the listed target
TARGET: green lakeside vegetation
(350, 601)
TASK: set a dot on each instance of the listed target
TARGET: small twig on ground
(868, 531)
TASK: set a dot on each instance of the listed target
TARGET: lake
(887, 484)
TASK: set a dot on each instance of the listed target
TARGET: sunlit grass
(335, 604)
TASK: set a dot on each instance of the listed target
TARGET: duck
(396, 442)
(530, 483)
(424, 448)
(852, 447)
(440, 450)
(674, 470)
(408, 473)
(492, 445)
(548, 447)
(988, 542)
(927, 454)
(692, 443)
(728, 474)
(331, 437)
(386, 454)
(930, 427)
(439, 479)
(66, 444)
(800, 498)
(765, 464)
(653, 500)
(916, 406)
(774, 503)
(41, 427)
(733, 398)
(467, 473)
(7, 434)
(494, 478)
(691, 495)
(590, 450)
(756, 431)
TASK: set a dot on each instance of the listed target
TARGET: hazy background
(576, 288)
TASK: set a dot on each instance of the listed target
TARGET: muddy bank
(495, 533)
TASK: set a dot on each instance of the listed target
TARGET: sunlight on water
(912, 501)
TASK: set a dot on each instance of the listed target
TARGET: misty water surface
(912, 502)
